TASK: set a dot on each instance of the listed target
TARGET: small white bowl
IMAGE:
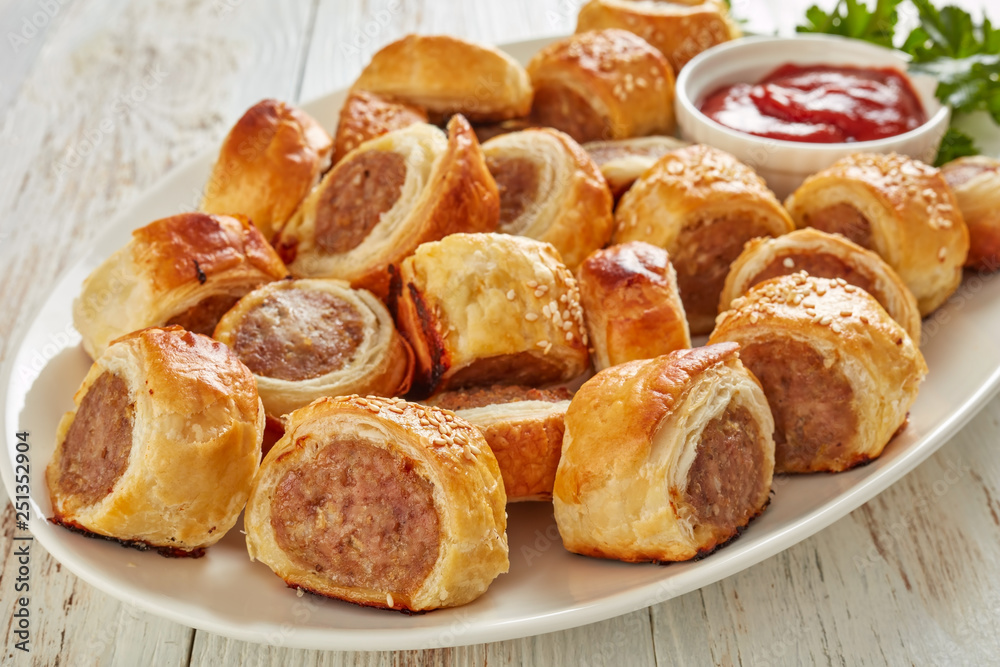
(785, 164)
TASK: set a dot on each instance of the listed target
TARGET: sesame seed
(388, 599)
(532, 284)
(511, 295)
(531, 317)
(569, 336)
(942, 253)
(846, 313)
(788, 263)
(542, 343)
(825, 320)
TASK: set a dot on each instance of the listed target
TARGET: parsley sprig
(948, 44)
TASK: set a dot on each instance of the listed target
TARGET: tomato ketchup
(820, 104)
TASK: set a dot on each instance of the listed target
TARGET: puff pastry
(523, 427)
(824, 256)
(382, 503)
(631, 304)
(680, 29)
(304, 339)
(664, 459)
(898, 207)
(550, 190)
(701, 205)
(187, 269)
(366, 116)
(447, 75)
(608, 84)
(161, 446)
(385, 198)
(976, 184)
(268, 163)
(839, 373)
(486, 308)
(623, 161)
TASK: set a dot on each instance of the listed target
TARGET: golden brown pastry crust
(170, 266)
(623, 161)
(909, 217)
(679, 29)
(631, 304)
(445, 188)
(447, 75)
(632, 479)
(524, 428)
(621, 85)
(268, 163)
(445, 451)
(486, 308)
(700, 204)
(824, 256)
(569, 206)
(379, 363)
(193, 402)
(976, 184)
(366, 116)
(839, 373)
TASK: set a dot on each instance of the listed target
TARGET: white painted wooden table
(100, 99)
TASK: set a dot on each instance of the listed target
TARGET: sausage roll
(447, 75)
(523, 427)
(366, 116)
(161, 446)
(304, 339)
(701, 205)
(484, 308)
(664, 459)
(269, 161)
(631, 304)
(897, 206)
(824, 256)
(603, 85)
(680, 29)
(839, 373)
(976, 184)
(385, 198)
(382, 503)
(188, 269)
(623, 161)
(552, 191)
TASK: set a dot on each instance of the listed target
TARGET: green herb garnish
(948, 44)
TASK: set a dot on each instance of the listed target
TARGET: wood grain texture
(114, 94)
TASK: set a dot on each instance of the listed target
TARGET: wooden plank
(625, 640)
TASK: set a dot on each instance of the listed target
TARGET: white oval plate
(547, 588)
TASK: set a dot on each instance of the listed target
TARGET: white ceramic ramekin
(785, 164)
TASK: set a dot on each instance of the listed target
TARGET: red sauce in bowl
(820, 104)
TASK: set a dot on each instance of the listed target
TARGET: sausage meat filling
(359, 192)
(566, 110)
(725, 482)
(517, 181)
(818, 264)
(842, 219)
(702, 260)
(96, 450)
(203, 316)
(360, 515)
(298, 334)
(814, 420)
